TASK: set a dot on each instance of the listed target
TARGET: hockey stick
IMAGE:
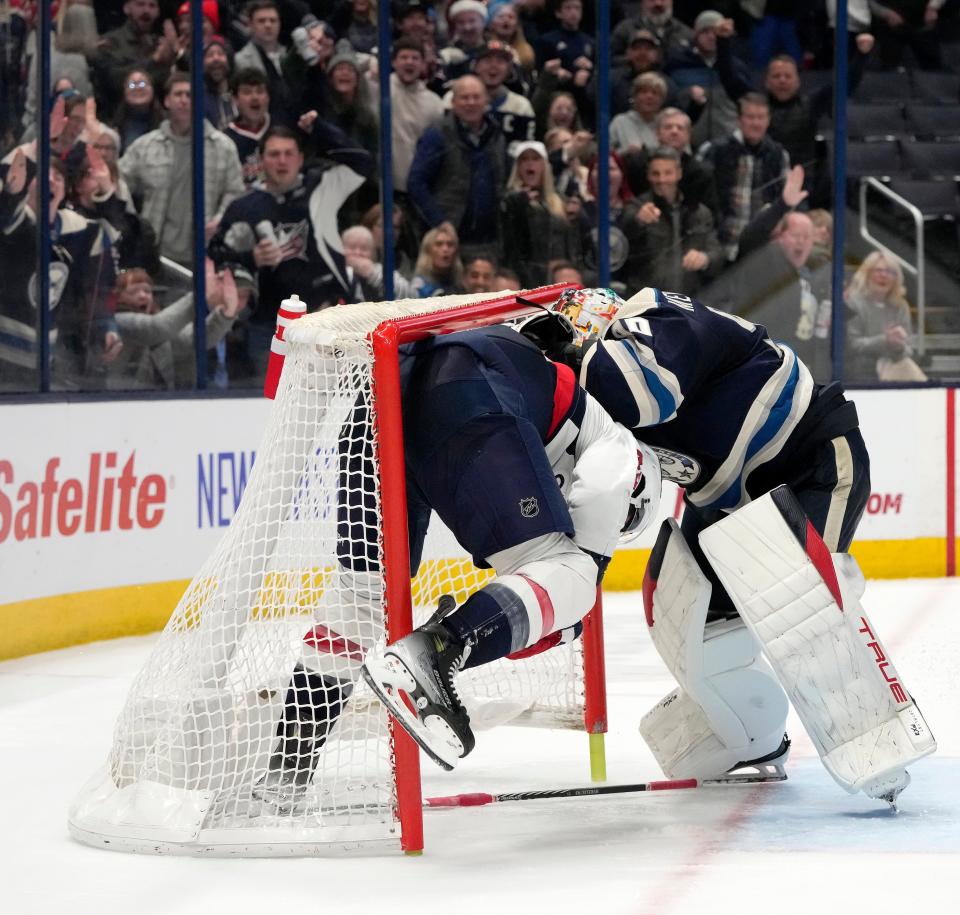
(481, 799)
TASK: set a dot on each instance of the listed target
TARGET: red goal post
(387, 339)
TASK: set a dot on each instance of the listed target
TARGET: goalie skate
(771, 767)
(418, 671)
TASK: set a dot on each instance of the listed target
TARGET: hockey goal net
(200, 723)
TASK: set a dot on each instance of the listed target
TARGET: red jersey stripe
(562, 396)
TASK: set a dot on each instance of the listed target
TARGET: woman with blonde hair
(504, 25)
(439, 270)
(534, 230)
(880, 329)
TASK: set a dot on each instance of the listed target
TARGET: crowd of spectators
(717, 186)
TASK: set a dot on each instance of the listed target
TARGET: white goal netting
(207, 726)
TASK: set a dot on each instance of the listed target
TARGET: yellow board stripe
(49, 623)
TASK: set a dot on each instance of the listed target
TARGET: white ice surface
(803, 846)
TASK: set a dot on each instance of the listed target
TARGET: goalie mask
(645, 498)
(589, 310)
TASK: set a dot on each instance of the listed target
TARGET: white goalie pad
(729, 708)
(803, 606)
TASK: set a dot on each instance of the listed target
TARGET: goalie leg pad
(729, 708)
(802, 604)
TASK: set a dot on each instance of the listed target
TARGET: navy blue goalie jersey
(709, 391)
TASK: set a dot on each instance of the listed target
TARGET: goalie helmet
(645, 498)
(589, 310)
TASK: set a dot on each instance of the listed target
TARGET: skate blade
(389, 678)
(756, 772)
(888, 788)
(772, 770)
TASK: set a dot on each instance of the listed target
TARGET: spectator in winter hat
(183, 27)
(350, 107)
(467, 19)
(219, 107)
(504, 24)
(708, 19)
(211, 18)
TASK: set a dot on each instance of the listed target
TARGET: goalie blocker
(801, 604)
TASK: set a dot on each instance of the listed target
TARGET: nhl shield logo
(529, 508)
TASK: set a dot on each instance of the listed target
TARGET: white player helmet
(645, 499)
(589, 310)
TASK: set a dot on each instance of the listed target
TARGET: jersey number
(639, 326)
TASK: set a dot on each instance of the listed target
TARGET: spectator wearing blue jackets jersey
(83, 336)
(567, 44)
(283, 238)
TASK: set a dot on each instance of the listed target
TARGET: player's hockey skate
(771, 767)
(312, 707)
(420, 668)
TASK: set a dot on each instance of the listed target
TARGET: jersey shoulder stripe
(563, 397)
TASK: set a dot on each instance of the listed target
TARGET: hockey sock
(489, 629)
(312, 707)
